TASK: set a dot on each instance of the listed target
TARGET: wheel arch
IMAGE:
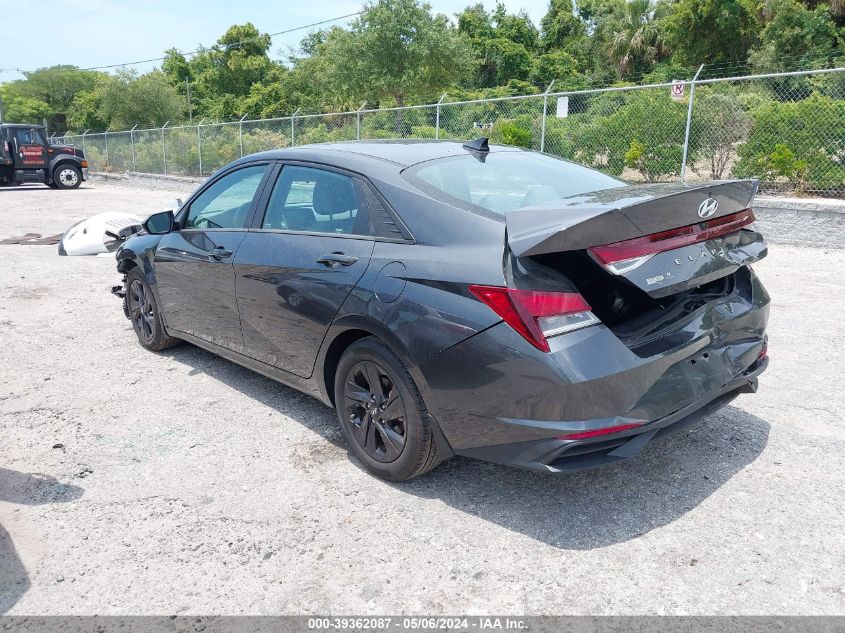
(345, 331)
(332, 355)
(65, 159)
(343, 338)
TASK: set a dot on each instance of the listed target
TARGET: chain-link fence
(787, 129)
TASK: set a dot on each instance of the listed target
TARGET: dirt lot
(140, 483)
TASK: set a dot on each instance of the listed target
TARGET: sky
(88, 33)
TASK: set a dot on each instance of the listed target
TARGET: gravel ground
(180, 483)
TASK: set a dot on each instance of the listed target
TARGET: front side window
(315, 200)
(26, 136)
(505, 181)
(226, 203)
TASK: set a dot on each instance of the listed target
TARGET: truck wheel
(67, 177)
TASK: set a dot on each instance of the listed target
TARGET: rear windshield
(505, 181)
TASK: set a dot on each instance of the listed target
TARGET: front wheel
(67, 176)
(144, 314)
(382, 413)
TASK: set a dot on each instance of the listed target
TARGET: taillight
(84, 163)
(537, 315)
(764, 353)
(597, 432)
(621, 257)
(6, 146)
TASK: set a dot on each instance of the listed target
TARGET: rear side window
(505, 181)
(316, 201)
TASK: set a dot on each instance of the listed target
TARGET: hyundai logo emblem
(707, 208)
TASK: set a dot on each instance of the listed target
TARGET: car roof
(401, 152)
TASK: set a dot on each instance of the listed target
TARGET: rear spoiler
(622, 213)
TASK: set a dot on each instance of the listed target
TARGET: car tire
(67, 176)
(382, 413)
(52, 185)
(144, 314)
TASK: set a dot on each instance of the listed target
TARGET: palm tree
(635, 39)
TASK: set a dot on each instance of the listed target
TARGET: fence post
(164, 148)
(292, 117)
(689, 123)
(437, 117)
(199, 144)
(106, 137)
(543, 124)
(132, 143)
(358, 122)
(241, 134)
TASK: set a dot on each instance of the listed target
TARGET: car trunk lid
(662, 238)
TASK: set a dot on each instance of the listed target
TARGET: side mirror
(159, 223)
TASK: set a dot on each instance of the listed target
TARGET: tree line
(399, 52)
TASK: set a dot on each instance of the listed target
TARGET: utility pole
(190, 109)
(1, 108)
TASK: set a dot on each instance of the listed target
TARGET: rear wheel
(144, 314)
(382, 413)
(67, 176)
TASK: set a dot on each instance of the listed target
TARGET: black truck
(26, 156)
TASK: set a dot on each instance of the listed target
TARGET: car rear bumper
(496, 397)
(85, 173)
(555, 455)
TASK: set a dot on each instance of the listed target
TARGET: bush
(643, 130)
(800, 143)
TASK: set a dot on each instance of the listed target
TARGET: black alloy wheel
(375, 410)
(141, 310)
(382, 413)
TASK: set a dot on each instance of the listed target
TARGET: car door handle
(337, 259)
(220, 253)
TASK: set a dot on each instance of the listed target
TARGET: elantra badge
(707, 208)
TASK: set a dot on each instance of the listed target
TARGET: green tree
(793, 31)
(56, 87)
(560, 26)
(710, 31)
(147, 100)
(635, 40)
(504, 44)
(396, 50)
(559, 66)
(84, 112)
(517, 28)
(221, 76)
(20, 109)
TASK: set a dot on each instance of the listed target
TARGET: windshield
(505, 181)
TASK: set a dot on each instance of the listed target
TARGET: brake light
(597, 432)
(85, 163)
(537, 315)
(621, 257)
(6, 146)
(764, 353)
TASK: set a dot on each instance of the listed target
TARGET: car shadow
(285, 400)
(577, 511)
(25, 489)
(608, 505)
